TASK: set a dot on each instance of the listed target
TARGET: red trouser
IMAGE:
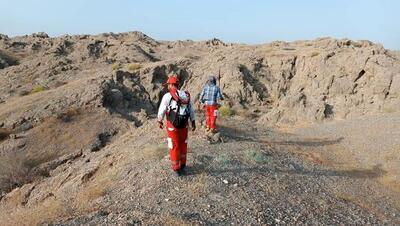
(211, 115)
(177, 144)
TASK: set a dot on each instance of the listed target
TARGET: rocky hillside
(77, 111)
(286, 82)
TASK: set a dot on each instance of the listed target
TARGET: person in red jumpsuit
(209, 96)
(178, 109)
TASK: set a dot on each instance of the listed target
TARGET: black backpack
(177, 116)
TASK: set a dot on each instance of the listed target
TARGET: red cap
(172, 80)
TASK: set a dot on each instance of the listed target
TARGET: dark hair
(212, 80)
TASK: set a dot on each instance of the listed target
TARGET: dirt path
(258, 176)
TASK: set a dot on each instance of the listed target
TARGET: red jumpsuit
(211, 115)
(177, 138)
(177, 144)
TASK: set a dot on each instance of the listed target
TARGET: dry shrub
(84, 202)
(14, 171)
(134, 67)
(279, 54)
(19, 168)
(71, 130)
(268, 49)
(226, 111)
(391, 181)
(314, 54)
(57, 206)
(154, 151)
(116, 66)
(46, 211)
(245, 113)
(59, 83)
(37, 89)
(289, 48)
(389, 110)
(97, 187)
(69, 115)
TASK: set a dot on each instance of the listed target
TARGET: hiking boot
(183, 170)
(177, 173)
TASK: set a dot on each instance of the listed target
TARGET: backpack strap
(178, 103)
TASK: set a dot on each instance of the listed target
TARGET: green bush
(37, 89)
(225, 111)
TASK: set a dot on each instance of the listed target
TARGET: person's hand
(199, 106)
(193, 125)
(160, 124)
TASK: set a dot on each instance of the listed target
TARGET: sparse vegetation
(313, 54)
(256, 156)
(154, 151)
(69, 114)
(56, 207)
(389, 110)
(23, 93)
(116, 66)
(134, 66)
(222, 159)
(242, 67)
(226, 111)
(59, 83)
(289, 48)
(14, 171)
(37, 89)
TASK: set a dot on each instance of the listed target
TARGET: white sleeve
(162, 110)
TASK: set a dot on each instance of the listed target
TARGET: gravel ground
(257, 176)
(369, 142)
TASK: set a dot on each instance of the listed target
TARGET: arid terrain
(309, 132)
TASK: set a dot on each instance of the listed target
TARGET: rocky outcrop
(310, 81)
(7, 60)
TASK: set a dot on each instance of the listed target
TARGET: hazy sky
(247, 21)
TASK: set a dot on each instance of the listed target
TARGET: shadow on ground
(205, 163)
(212, 169)
(276, 138)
